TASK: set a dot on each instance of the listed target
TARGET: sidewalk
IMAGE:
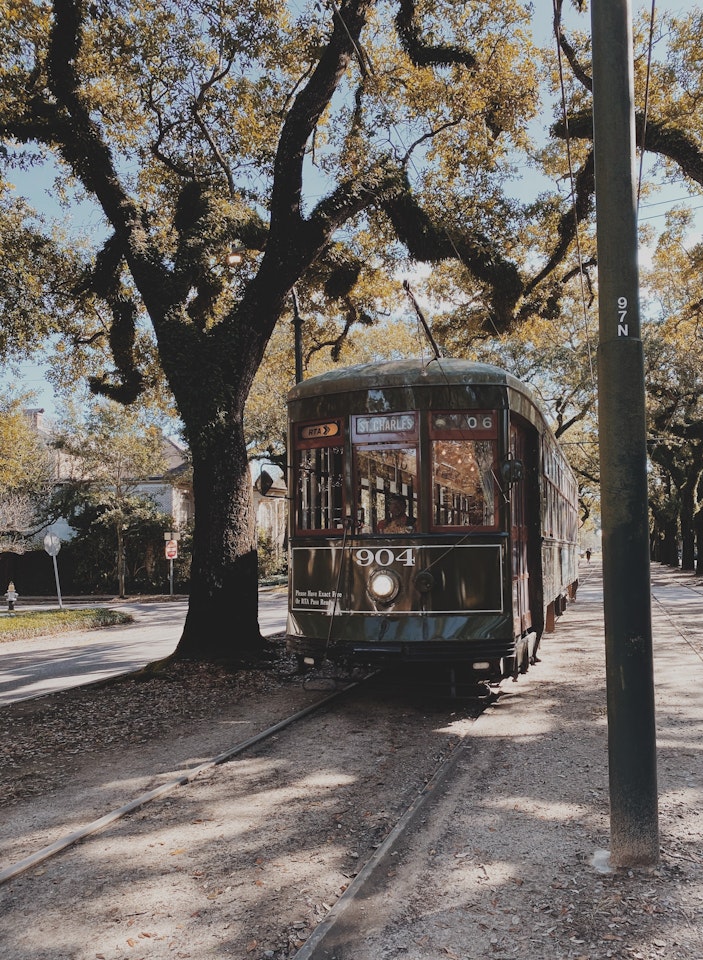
(46, 664)
(511, 857)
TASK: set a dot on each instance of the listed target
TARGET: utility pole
(634, 831)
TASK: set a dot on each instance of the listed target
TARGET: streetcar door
(519, 535)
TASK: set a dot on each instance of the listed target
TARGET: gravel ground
(244, 860)
(507, 861)
(512, 858)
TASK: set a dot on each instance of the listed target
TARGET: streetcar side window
(560, 496)
(463, 483)
(464, 453)
(319, 477)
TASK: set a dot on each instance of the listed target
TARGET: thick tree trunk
(698, 528)
(687, 536)
(664, 537)
(669, 545)
(222, 621)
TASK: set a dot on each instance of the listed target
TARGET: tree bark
(669, 551)
(687, 536)
(698, 528)
(222, 621)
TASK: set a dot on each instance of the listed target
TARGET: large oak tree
(193, 127)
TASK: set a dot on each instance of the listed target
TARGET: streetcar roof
(402, 373)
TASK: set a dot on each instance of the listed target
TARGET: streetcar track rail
(364, 879)
(272, 904)
(45, 853)
(354, 852)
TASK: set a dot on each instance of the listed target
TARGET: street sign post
(52, 545)
(171, 551)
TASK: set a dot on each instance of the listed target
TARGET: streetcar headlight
(383, 586)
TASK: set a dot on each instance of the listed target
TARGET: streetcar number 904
(384, 557)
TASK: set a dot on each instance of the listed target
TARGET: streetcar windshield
(386, 489)
(463, 449)
(320, 489)
(463, 483)
(386, 470)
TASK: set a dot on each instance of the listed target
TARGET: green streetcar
(433, 518)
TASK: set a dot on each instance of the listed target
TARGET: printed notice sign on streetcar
(315, 600)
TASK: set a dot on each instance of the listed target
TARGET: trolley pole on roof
(634, 832)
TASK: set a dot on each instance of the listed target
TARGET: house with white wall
(172, 490)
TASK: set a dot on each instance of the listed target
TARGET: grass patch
(40, 623)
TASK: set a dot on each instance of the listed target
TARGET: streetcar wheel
(509, 668)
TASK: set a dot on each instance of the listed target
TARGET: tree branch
(305, 113)
(85, 150)
(424, 54)
(568, 223)
(661, 138)
(431, 243)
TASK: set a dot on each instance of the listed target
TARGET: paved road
(31, 668)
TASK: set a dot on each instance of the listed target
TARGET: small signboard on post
(52, 545)
(171, 550)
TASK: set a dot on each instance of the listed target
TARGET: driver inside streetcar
(399, 521)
